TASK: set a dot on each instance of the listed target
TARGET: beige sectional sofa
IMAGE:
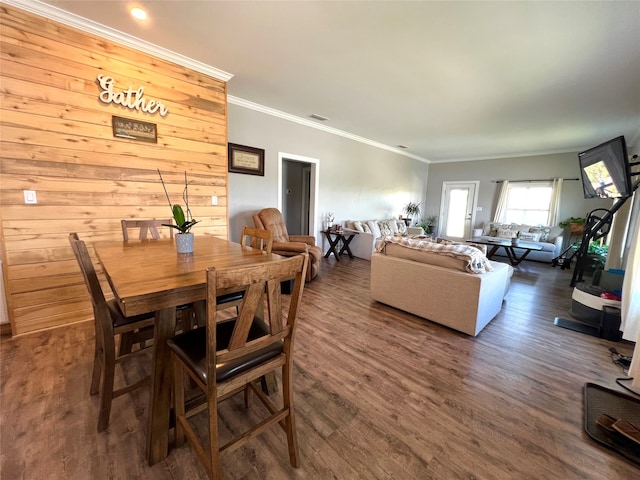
(439, 287)
(370, 232)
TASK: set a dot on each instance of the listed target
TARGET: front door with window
(457, 209)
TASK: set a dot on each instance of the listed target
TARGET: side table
(335, 238)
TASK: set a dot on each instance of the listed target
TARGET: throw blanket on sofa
(476, 261)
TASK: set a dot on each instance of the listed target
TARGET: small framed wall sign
(134, 129)
(247, 160)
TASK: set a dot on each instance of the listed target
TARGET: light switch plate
(214, 200)
(30, 196)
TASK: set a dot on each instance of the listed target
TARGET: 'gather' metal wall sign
(130, 98)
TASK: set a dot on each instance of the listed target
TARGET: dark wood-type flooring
(380, 394)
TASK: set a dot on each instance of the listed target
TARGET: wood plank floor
(380, 394)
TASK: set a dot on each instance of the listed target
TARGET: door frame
(474, 205)
(314, 187)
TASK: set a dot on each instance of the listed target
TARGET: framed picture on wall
(248, 160)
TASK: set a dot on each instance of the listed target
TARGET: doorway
(298, 192)
(458, 209)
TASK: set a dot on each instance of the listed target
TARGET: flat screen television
(605, 170)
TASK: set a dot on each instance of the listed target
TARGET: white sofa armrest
(558, 244)
(362, 245)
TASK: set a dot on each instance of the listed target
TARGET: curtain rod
(540, 180)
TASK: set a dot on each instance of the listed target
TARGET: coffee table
(509, 247)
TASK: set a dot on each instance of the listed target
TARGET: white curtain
(630, 315)
(630, 324)
(554, 208)
(502, 202)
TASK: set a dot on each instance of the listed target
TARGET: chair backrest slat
(147, 227)
(258, 238)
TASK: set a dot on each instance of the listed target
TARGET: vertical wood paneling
(57, 139)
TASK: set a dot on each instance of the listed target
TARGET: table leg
(494, 249)
(161, 383)
(346, 240)
(515, 261)
(332, 247)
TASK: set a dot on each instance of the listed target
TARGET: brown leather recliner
(288, 245)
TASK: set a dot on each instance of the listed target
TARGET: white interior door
(458, 209)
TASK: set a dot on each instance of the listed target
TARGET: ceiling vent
(315, 116)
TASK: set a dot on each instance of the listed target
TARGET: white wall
(565, 165)
(356, 180)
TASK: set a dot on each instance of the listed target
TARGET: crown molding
(309, 123)
(89, 26)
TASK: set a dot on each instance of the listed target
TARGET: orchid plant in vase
(184, 222)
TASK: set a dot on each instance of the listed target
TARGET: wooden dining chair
(257, 238)
(109, 322)
(146, 228)
(254, 238)
(227, 356)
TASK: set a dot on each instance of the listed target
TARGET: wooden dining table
(150, 276)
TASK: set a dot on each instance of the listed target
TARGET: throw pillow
(506, 233)
(357, 225)
(530, 237)
(402, 227)
(365, 227)
(491, 228)
(553, 233)
(385, 229)
(375, 229)
(543, 231)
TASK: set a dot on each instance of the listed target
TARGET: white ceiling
(451, 80)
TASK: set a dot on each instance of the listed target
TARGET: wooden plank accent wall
(56, 138)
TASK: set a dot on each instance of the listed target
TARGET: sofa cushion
(375, 229)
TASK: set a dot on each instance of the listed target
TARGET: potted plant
(428, 224)
(596, 256)
(576, 224)
(516, 240)
(411, 209)
(184, 222)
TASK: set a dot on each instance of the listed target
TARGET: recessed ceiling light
(402, 146)
(138, 13)
(315, 116)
